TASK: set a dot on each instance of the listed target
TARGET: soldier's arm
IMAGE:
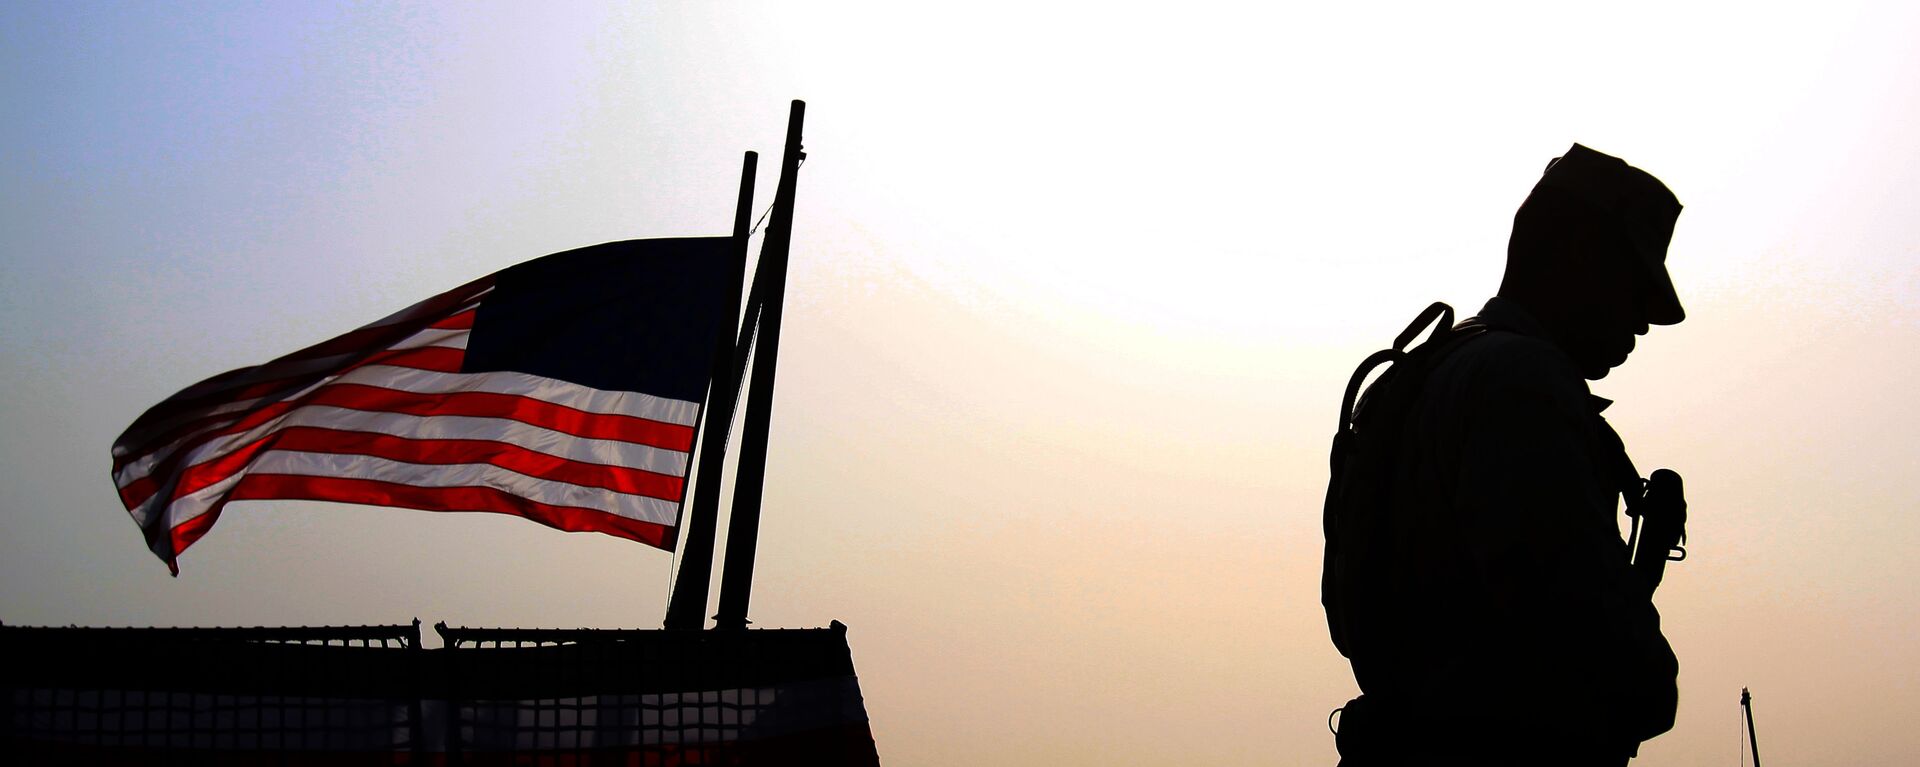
(1545, 544)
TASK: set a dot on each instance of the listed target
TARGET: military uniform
(1519, 624)
(1476, 577)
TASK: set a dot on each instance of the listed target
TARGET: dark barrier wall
(371, 695)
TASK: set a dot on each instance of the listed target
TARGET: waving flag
(564, 390)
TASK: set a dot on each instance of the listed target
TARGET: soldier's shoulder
(1499, 358)
(1502, 344)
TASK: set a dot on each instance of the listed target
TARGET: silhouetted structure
(1475, 575)
(371, 696)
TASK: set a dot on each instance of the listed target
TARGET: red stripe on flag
(373, 492)
(415, 317)
(560, 418)
(185, 533)
(310, 439)
(367, 339)
(517, 408)
(432, 358)
(440, 305)
(405, 323)
(532, 463)
(440, 359)
(461, 321)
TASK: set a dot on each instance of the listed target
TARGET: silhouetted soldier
(1476, 576)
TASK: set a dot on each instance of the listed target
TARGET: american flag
(564, 390)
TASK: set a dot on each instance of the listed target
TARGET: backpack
(1363, 460)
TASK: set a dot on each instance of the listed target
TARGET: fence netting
(374, 696)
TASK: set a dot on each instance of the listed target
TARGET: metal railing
(372, 695)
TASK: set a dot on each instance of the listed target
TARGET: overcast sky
(1074, 293)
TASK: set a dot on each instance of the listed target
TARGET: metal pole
(688, 608)
(743, 527)
(416, 661)
(1753, 740)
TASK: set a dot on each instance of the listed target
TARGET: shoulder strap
(1397, 353)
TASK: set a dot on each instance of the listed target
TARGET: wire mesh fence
(373, 696)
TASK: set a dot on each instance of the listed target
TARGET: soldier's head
(1588, 257)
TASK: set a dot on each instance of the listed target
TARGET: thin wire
(763, 214)
(761, 220)
(753, 342)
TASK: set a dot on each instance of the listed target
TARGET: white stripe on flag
(333, 465)
(445, 427)
(548, 390)
(553, 391)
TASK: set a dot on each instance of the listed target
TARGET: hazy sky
(1075, 290)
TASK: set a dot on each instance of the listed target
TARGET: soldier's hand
(1663, 520)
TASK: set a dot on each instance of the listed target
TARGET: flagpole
(743, 525)
(686, 610)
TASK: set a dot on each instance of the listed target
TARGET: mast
(687, 608)
(743, 526)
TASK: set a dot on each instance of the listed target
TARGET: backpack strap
(1438, 309)
(1397, 353)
